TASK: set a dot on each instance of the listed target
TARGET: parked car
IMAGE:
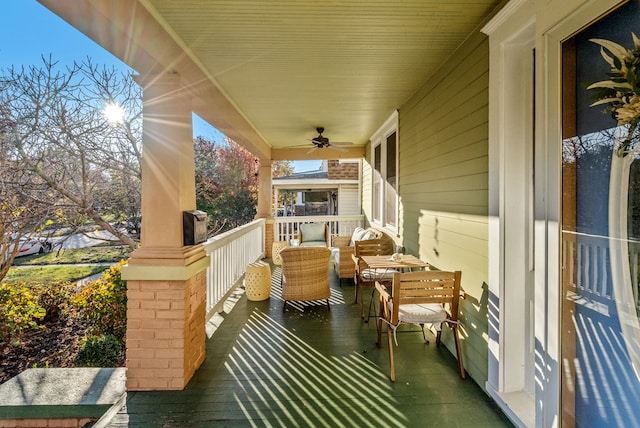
(134, 225)
(30, 246)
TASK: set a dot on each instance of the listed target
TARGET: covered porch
(310, 366)
(268, 94)
(460, 112)
(408, 86)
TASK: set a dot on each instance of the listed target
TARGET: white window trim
(379, 138)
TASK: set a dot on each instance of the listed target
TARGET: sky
(28, 31)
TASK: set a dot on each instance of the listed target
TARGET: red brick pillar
(165, 332)
(268, 241)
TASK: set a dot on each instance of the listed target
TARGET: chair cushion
(314, 243)
(312, 232)
(378, 274)
(360, 234)
(422, 313)
(335, 255)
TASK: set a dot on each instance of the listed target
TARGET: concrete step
(59, 393)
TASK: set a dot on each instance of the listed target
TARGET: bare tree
(25, 203)
(79, 131)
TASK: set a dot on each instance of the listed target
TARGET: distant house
(333, 189)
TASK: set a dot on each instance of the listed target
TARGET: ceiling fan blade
(340, 149)
(313, 149)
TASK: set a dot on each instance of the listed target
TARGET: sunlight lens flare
(113, 113)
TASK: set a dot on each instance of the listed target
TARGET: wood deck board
(314, 368)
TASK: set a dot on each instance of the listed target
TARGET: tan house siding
(443, 184)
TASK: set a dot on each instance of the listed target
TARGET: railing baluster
(230, 253)
(286, 228)
(590, 270)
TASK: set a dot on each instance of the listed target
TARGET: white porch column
(264, 189)
(165, 279)
(265, 194)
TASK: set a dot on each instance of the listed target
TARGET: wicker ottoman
(257, 281)
(276, 247)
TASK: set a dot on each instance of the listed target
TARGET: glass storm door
(600, 229)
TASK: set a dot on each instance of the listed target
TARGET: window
(384, 182)
(377, 183)
(391, 182)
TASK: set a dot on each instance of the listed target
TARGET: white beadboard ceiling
(288, 66)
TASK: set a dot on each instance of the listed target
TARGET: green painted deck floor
(314, 367)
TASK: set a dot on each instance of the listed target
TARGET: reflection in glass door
(600, 228)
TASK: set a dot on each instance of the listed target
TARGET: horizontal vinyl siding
(348, 200)
(443, 185)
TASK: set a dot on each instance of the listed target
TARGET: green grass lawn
(66, 265)
(103, 254)
(51, 274)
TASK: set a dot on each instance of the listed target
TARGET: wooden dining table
(387, 263)
(406, 261)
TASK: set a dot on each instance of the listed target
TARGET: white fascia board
(309, 184)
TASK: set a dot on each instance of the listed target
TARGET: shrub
(100, 351)
(54, 298)
(103, 303)
(19, 309)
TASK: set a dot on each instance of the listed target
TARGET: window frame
(379, 214)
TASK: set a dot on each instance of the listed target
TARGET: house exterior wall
(348, 197)
(443, 185)
(342, 170)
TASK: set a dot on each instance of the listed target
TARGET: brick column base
(269, 224)
(165, 331)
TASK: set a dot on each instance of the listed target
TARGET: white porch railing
(286, 228)
(586, 260)
(232, 251)
(230, 254)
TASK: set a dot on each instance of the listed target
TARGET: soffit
(293, 65)
(281, 68)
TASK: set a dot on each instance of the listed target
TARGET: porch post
(265, 193)
(165, 279)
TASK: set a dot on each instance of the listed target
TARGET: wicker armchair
(305, 274)
(342, 253)
(344, 249)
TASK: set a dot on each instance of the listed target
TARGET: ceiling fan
(321, 142)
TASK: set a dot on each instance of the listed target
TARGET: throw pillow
(355, 236)
(368, 234)
(312, 232)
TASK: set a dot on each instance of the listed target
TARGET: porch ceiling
(279, 69)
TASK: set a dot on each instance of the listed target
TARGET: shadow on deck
(310, 366)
